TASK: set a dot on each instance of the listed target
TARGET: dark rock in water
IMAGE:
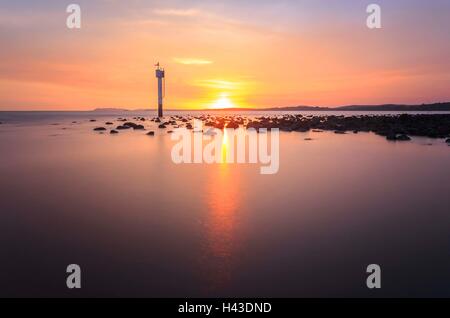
(340, 132)
(151, 133)
(170, 131)
(93, 120)
(142, 119)
(162, 126)
(114, 132)
(134, 126)
(233, 125)
(189, 126)
(391, 137)
(308, 139)
(74, 122)
(122, 127)
(157, 120)
(448, 141)
(355, 131)
(100, 129)
(403, 137)
(109, 123)
(317, 130)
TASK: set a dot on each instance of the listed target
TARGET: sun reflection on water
(221, 224)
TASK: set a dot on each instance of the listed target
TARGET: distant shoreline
(445, 106)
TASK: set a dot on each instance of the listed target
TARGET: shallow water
(139, 225)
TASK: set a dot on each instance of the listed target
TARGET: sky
(247, 53)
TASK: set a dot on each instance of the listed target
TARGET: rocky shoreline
(393, 127)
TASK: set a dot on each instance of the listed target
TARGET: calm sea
(140, 225)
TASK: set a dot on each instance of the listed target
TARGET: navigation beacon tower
(161, 88)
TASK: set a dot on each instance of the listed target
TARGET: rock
(129, 124)
(112, 132)
(134, 126)
(448, 141)
(151, 133)
(355, 131)
(308, 139)
(99, 129)
(109, 123)
(162, 126)
(340, 132)
(93, 120)
(122, 127)
(233, 125)
(403, 137)
(391, 137)
(170, 131)
(211, 132)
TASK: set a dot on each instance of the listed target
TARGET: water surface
(139, 225)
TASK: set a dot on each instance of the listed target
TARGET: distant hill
(386, 107)
(111, 110)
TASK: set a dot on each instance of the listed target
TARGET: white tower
(161, 88)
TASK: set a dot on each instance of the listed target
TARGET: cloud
(219, 84)
(177, 12)
(191, 61)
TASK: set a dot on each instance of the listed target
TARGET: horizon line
(270, 108)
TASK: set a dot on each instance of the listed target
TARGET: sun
(223, 102)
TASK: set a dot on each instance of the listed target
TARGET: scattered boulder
(151, 133)
(211, 132)
(114, 132)
(109, 123)
(93, 120)
(122, 127)
(403, 137)
(99, 129)
(162, 126)
(340, 132)
(134, 126)
(308, 139)
(233, 125)
(391, 137)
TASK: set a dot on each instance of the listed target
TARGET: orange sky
(262, 55)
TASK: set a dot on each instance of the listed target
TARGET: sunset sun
(223, 102)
